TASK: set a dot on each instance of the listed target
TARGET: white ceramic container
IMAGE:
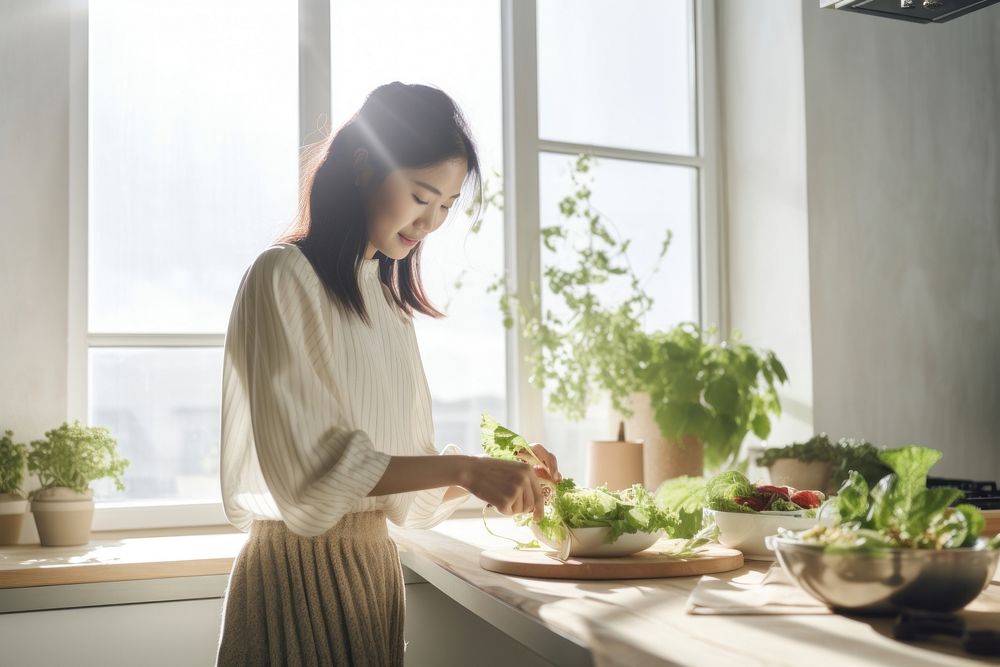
(746, 531)
(593, 542)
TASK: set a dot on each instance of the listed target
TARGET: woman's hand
(510, 486)
(547, 458)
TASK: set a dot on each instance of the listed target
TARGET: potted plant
(819, 463)
(13, 504)
(692, 399)
(66, 462)
(706, 395)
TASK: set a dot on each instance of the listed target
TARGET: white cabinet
(439, 632)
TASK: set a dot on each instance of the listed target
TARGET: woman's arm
(416, 473)
(512, 487)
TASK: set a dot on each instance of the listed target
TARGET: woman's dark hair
(401, 126)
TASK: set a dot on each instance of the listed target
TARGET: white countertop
(644, 621)
(629, 622)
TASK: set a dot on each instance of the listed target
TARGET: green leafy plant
(74, 456)
(584, 344)
(716, 391)
(845, 455)
(13, 457)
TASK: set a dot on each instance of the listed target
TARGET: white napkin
(770, 592)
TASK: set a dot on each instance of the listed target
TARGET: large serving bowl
(891, 580)
(746, 531)
(593, 542)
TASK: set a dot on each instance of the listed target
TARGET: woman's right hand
(511, 487)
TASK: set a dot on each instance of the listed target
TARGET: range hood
(918, 11)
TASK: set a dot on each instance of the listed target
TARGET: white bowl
(593, 542)
(746, 531)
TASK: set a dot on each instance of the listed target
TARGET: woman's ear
(362, 172)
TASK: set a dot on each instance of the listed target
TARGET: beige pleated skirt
(334, 599)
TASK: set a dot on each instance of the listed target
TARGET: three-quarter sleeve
(315, 466)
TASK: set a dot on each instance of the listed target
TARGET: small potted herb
(13, 504)
(821, 464)
(66, 462)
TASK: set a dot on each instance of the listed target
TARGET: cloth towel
(770, 592)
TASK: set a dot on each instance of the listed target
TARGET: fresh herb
(845, 455)
(585, 344)
(13, 457)
(74, 456)
(716, 391)
(899, 511)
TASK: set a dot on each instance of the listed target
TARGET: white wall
(34, 209)
(904, 209)
(761, 86)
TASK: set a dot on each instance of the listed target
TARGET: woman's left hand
(549, 459)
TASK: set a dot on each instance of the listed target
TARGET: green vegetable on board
(633, 510)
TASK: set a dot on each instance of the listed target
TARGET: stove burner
(912, 626)
(983, 495)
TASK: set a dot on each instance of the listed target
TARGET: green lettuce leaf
(684, 496)
(911, 465)
(499, 441)
(851, 502)
(721, 489)
(974, 518)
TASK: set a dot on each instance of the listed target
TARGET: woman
(326, 424)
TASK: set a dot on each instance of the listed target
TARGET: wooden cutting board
(992, 526)
(649, 564)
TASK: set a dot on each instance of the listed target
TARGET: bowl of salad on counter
(591, 522)
(747, 513)
(897, 545)
(599, 523)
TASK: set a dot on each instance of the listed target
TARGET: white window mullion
(314, 70)
(76, 334)
(155, 340)
(712, 281)
(632, 155)
(521, 215)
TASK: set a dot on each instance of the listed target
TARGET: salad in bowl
(578, 521)
(746, 513)
(896, 545)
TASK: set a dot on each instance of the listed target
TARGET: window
(193, 159)
(194, 120)
(635, 104)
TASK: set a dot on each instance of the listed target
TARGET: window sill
(136, 555)
(123, 556)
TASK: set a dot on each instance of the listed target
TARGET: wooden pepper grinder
(616, 463)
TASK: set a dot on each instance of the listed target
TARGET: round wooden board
(648, 564)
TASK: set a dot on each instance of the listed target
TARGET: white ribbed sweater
(315, 402)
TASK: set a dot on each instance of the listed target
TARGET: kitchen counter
(644, 621)
(629, 623)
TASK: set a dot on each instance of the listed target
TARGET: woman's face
(410, 204)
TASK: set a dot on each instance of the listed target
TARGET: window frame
(522, 147)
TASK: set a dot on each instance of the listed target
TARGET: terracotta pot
(616, 463)
(813, 475)
(63, 516)
(662, 459)
(13, 507)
